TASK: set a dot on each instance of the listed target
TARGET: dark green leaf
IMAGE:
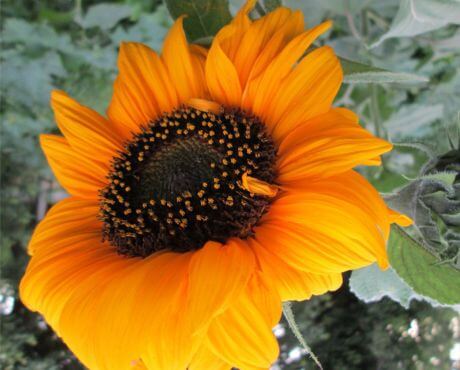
(421, 270)
(204, 17)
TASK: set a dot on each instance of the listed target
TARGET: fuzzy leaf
(355, 72)
(429, 201)
(204, 17)
(421, 270)
(371, 284)
(419, 16)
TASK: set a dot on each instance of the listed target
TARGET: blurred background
(72, 45)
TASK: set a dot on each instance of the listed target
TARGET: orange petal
(142, 90)
(257, 186)
(175, 346)
(351, 187)
(97, 319)
(121, 314)
(60, 221)
(321, 233)
(330, 156)
(399, 218)
(210, 290)
(264, 39)
(327, 145)
(293, 284)
(318, 127)
(306, 92)
(260, 92)
(205, 105)
(198, 55)
(222, 77)
(121, 303)
(205, 359)
(230, 36)
(55, 273)
(78, 175)
(265, 298)
(185, 70)
(242, 335)
(88, 133)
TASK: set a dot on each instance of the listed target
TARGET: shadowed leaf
(204, 17)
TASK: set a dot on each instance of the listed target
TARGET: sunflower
(220, 184)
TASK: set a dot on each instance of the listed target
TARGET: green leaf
(371, 284)
(421, 270)
(355, 72)
(419, 16)
(204, 17)
(105, 16)
(289, 316)
(148, 30)
(431, 202)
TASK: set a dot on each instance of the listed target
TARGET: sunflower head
(177, 184)
(220, 184)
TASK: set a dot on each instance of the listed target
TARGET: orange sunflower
(219, 185)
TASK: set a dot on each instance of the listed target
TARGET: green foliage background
(72, 45)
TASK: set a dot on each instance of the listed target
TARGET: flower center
(178, 183)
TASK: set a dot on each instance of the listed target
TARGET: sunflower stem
(289, 315)
(375, 112)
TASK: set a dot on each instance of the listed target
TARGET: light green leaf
(413, 120)
(204, 17)
(355, 72)
(371, 284)
(421, 270)
(419, 16)
(105, 16)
